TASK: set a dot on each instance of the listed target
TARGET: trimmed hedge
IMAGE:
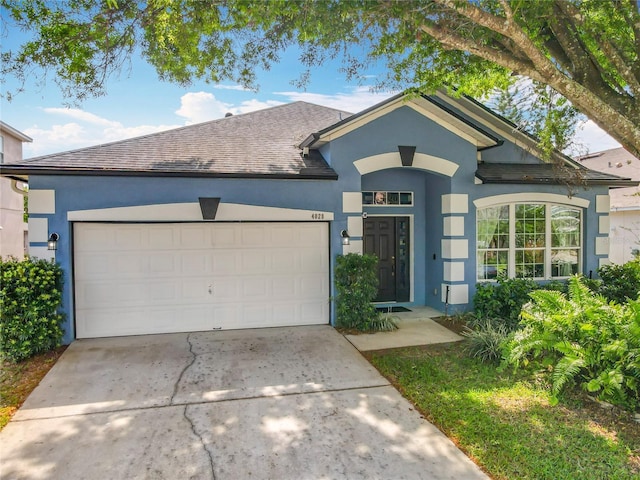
(356, 280)
(30, 296)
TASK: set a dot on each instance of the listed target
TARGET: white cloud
(255, 104)
(199, 107)
(82, 116)
(354, 101)
(239, 88)
(88, 131)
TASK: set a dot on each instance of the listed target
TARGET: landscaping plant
(356, 279)
(485, 340)
(503, 301)
(30, 296)
(584, 340)
(620, 282)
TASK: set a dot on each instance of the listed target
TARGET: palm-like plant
(586, 339)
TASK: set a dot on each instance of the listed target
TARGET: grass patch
(504, 421)
(17, 381)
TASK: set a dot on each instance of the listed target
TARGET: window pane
(492, 242)
(493, 227)
(406, 198)
(530, 263)
(565, 226)
(491, 264)
(564, 263)
(393, 198)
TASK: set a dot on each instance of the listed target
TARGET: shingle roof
(261, 143)
(616, 161)
(545, 173)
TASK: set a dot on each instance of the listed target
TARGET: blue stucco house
(236, 223)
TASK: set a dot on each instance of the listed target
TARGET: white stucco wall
(624, 235)
(13, 227)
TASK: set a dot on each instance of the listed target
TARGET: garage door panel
(193, 237)
(194, 263)
(161, 263)
(226, 290)
(224, 262)
(160, 278)
(162, 239)
(224, 236)
(130, 265)
(283, 287)
(312, 312)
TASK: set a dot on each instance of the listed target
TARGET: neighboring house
(13, 228)
(624, 218)
(236, 223)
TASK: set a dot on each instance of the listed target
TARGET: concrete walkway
(281, 403)
(414, 328)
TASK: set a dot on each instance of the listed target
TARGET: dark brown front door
(388, 239)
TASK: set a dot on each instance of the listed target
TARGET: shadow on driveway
(298, 403)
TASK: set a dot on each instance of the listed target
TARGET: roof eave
(548, 181)
(16, 133)
(14, 171)
(483, 138)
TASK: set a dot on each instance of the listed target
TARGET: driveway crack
(186, 367)
(204, 446)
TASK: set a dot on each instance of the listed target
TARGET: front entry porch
(415, 327)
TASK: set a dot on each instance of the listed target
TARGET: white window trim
(511, 268)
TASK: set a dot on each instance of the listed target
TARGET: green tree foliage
(535, 107)
(586, 51)
(356, 280)
(30, 296)
(585, 340)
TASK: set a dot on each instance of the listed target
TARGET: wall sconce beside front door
(345, 237)
(52, 243)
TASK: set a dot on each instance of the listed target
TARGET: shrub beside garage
(30, 299)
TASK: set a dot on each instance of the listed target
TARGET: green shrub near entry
(501, 302)
(586, 340)
(30, 296)
(620, 282)
(356, 279)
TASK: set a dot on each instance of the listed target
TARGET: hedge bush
(30, 296)
(503, 301)
(620, 283)
(356, 279)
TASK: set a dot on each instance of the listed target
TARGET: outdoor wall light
(52, 243)
(345, 237)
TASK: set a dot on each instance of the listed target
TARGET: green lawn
(504, 421)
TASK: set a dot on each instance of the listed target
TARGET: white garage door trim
(141, 278)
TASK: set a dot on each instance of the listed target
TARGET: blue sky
(137, 103)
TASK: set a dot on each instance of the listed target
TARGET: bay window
(528, 240)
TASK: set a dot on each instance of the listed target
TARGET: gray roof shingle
(546, 173)
(261, 143)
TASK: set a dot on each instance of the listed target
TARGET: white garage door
(135, 279)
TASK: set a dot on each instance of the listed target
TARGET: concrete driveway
(280, 403)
